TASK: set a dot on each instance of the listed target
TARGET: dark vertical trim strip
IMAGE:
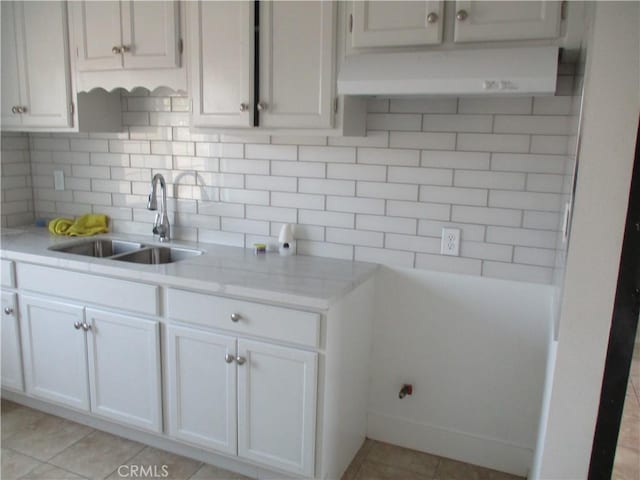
(621, 339)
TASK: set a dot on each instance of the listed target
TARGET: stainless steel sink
(158, 255)
(97, 247)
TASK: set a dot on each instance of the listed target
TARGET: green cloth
(89, 224)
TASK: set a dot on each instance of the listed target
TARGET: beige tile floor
(627, 462)
(40, 446)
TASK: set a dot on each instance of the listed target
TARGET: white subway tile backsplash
(272, 183)
(327, 219)
(425, 140)
(457, 123)
(500, 180)
(486, 216)
(453, 195)
(327, 154)
(423, 176)
(271, 152)
(510, 162)
(549, 202)
(486, 142)
(381, 223)
(357, 172)
(492, 167)
(273, 214)
(297, 200)
(354, 237)
(389, 156)
(373, 206)
(412, 243)
(398, 208)
(298, 169)
(389, 191)
(327, 187)
(515, 105)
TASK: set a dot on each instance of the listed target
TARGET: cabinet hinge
(180, 46)
(73, 108)
(350, 23)
(335, 105)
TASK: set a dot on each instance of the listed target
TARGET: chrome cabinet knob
(244, 107)
(229, 358)
(240, 360)
(14, 109)
(235, 317)
(77, 325)
(125, 48)
(8, 310)
(22, 109)
(462, 15)
(85, 326)
(432, 17)
(116, 50)
(261, 106)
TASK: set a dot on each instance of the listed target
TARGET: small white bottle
(286, 241)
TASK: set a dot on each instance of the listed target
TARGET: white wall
(475, 350)
(609, 128)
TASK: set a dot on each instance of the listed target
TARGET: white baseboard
(483, 451)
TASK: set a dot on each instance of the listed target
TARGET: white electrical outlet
(58, 179)
(450, 244)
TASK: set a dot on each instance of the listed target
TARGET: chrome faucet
(161, 224)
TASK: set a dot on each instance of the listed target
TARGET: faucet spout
(161, 225)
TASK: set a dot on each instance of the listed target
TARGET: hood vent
(501, 71)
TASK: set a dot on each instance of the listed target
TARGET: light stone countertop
(301, 281)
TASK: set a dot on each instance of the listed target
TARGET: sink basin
(97, 247)
(158, 255)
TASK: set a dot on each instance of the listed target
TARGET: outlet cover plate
(450, 244)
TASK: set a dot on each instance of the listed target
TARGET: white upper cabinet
(221, 46)
(296, 64)
(385, 24)
(485, 21)
(36, 89)
(112, 35)
(295, 71)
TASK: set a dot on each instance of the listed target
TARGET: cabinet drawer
(115, 293)
(279, 323)
(7, 273)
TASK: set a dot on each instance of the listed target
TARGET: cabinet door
(277, 406)
(387, 24)
(98, 29)
(296, 77)
(124, 369)
(10, 95)
(150, 31)
(221, 63)
(45, 88)
(55, 351)
(485, 21)
(201, 388)
(11, 351)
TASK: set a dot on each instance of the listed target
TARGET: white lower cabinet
(55, 351)
(92, 360)
(277, 405)
(124, 368)
(249, 398)
(11, 354)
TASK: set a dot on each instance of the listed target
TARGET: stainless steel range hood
(499, 71)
